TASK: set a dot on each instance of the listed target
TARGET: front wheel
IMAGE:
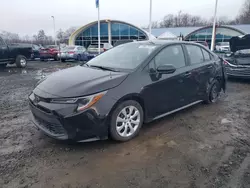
(3, 65)
(79, 58)
(214, 92)
(126, 121)
(21, 61)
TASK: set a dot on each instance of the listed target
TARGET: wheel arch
(133, 96)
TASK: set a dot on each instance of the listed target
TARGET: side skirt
(176, 110)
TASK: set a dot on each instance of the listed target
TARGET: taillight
(71, 52)
(104, 49)
(225, 62)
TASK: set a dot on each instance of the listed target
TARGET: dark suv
(117, 91)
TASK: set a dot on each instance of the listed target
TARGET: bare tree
(168, 21)
(244, 16)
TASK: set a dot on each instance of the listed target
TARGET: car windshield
(127, 56)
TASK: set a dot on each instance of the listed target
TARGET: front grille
(54, 128)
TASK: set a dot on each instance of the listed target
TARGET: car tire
(63, 60)
(126, 121)
(3, 65)
(21, 61)
(214, 92)
(79, 58)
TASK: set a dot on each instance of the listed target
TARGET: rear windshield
(126, 56)
(55, 47)
(95, 46)
(224, 43)
(70, 48)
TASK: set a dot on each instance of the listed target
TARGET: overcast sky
(28, 16)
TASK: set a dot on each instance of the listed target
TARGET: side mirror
(166, 69)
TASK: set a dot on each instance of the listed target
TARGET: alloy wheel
(128, 121)
(23, 62)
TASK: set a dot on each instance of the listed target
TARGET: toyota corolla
(115, 93)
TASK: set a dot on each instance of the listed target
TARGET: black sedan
(116, 92)
(238, 62)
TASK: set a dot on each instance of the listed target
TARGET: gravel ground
(203, 146)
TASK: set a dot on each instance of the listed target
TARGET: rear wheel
(21, 61)
(126, 121)
(63, 60)
(214, 92)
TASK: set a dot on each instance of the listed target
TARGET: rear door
(201, 69)
(3, 51)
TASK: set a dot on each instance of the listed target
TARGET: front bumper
(51, 119)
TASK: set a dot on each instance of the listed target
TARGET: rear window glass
(195, 54)
(95, 45)
(206, 55)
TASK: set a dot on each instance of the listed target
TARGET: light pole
(150, 17)
(54, 27)
(214, 25)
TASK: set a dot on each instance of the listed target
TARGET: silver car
(78, 53)
(93, 48)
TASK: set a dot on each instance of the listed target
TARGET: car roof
(166, 42)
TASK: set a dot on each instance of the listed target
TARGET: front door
(164, 92)
(3, 51)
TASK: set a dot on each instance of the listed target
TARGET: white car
(222, 47)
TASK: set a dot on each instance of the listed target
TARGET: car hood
(78, 81)
(240, 43)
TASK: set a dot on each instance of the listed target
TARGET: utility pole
(214, 25)
(150, 17)
(54, 24)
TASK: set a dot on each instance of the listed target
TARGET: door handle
(187, 74)
(210, 66)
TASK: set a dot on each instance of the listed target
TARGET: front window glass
(126, 56)
(171, 55)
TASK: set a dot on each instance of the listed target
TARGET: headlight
(83, 102)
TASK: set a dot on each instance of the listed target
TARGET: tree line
(182, 19)
(39, 38)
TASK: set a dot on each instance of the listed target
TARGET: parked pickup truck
(14, 54)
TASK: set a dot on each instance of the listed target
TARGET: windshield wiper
(104, 68)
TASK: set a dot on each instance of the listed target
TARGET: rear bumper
(47, 56)
(238, 72)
